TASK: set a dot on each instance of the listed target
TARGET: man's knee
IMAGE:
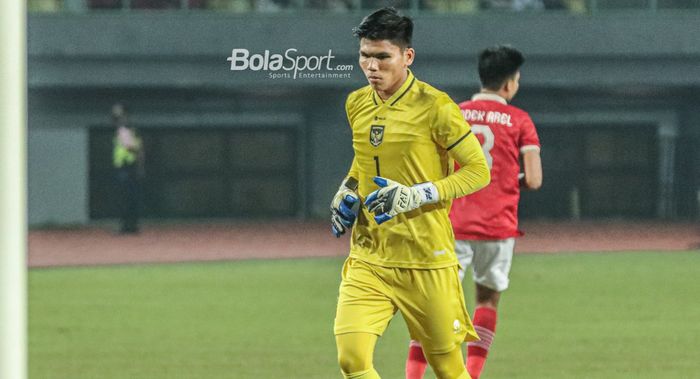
(451, 371)
(487, 296)
(448, 365)
(353, 361)
(355, 352)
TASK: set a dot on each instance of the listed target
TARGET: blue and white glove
(393, 198)
(344, 207)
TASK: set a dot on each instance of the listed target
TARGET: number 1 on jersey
(376, 163)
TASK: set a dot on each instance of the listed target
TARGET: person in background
(486, 223)
(128, 162)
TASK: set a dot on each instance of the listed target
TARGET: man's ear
(410, 55)
(508, 85)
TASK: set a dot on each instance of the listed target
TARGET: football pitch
(583, 315)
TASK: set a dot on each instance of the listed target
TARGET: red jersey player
(486, 223)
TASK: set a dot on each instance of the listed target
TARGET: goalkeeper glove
(344, 207)
(393, 198)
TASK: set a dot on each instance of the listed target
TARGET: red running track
(98, 245)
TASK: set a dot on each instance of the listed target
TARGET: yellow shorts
(431, 302)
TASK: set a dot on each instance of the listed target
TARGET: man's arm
(473, 173)
(529, 143)
(532, 164)
(353, 172)
(452, 132)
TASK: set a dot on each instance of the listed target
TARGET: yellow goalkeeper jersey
(413, 137)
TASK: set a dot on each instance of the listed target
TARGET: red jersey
(505, 132)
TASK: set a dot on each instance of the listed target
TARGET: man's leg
(432, 304)
(448, 365)
(132, 202)
(363, 313)
(355, 351)
(492, 263)
(416, 363)
(485, 316)
(122, 181)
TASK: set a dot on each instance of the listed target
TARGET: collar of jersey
(398, 94)
(489, 97)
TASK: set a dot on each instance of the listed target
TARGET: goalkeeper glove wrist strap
(428, 192)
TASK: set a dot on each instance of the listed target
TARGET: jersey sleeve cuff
(527, 148)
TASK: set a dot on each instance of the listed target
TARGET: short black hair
(498, 64)
(386, 24)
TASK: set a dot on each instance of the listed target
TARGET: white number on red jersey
(489, 141)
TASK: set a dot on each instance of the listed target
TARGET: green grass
(622, 315)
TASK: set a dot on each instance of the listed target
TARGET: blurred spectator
(576, 6)
(621, 4)
(376, 4)
(554, 4)
(145, 4)
(678, 4)
(450, 6)
(44, 5)
(511, 5)
(332, 5)
(104, 4)
(128, 161)
(197, 4)
(270, 5)
(155, 4)
(237, 6)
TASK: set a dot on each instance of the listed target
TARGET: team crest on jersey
(376, 135)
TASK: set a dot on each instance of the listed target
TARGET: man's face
(384, 64)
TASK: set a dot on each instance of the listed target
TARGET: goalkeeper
(396, 199)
